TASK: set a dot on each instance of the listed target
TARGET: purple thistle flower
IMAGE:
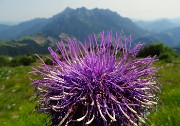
(100, 83)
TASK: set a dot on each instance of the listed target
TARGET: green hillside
(27, 45)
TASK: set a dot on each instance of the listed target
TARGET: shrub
(162, 51)
(23, 60)
(4, 61)
(48, 62)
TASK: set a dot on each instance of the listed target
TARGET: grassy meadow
(17, 97)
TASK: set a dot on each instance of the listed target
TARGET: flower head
(98, 82)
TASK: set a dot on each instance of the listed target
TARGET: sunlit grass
(168, 112)
(17, 98)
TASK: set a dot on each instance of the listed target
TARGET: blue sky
(22, 10)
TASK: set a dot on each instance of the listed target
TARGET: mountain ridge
(38, 34)
(76, 22)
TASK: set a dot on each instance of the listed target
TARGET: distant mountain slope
(4, 27)
(79, 23)
(34, 44)
(176, 21)
(22, 29)
(171, 36)
(157, 25)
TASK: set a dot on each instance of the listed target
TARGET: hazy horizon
(24, 10)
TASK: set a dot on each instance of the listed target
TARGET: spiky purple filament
(95, 86)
